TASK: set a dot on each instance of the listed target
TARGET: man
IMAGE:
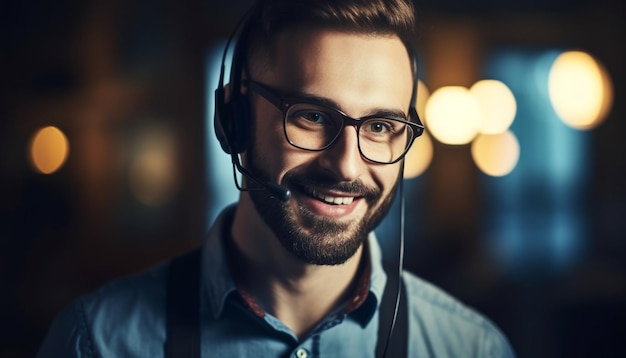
(318, 115)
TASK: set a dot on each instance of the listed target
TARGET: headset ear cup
(232, 122)
(241, 123)
(222, 120)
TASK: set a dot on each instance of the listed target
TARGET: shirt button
(302, 353)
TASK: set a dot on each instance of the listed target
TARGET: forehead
(342, 66)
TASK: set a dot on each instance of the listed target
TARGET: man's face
(338, 197)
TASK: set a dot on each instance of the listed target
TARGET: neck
(297, 293)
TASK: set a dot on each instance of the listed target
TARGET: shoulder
(128, 295)
(424, 295)
(113, 320)
(444, 324)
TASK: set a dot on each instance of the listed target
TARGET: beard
(313, 238)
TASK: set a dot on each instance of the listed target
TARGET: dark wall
(103, 70)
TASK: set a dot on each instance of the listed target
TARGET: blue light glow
(221, 188)
(535, 217)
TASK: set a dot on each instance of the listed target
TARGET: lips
(335, 200)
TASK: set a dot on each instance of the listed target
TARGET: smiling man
(318, 116)
(304, 254)
(339, 195)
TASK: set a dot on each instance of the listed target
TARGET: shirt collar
(377, 279)
(219, 284)
(216, 275)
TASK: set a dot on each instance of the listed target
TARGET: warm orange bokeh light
(49, 149)
(580, 89)
(453, 115)
(497, 103)
(423, 94)
(496, 154)
(419, 157)
(153, 175)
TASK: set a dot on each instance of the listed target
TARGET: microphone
(278, 191)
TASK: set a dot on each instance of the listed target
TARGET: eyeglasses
(312, 125)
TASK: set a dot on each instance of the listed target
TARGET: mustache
(356, 187)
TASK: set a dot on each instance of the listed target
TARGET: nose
(343, 158)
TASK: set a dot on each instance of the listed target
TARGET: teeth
(332, 199)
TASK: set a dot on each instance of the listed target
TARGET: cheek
(269, 147)
(386, 177)
(266, 125)
(268, 140)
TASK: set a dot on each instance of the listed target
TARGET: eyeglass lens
(313, 127)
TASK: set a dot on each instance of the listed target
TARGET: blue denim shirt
(126, 318)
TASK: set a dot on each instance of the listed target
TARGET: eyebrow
(375, 112)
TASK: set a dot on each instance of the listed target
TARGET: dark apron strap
(183, 307)
(183, 311)
(398, 344)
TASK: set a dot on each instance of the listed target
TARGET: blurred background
(516, 203)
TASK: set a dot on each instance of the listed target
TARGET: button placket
(302, 353)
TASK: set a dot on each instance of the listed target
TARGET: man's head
(323, 62)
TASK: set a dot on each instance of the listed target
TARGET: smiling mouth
(335, 200)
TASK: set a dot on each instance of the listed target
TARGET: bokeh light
(49, 149)
(580, 89)
(496, 154)
(419, 157)
(497, 103)
(423, 94)
(453, 115)
(153, 176)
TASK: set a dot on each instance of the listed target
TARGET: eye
(379, 127)
(312, 116)
(307, 116)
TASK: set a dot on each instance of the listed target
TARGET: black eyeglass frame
(283, 103)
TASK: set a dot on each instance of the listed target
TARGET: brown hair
(376, 17)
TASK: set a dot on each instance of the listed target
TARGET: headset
(232, 115)
(232, 122)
